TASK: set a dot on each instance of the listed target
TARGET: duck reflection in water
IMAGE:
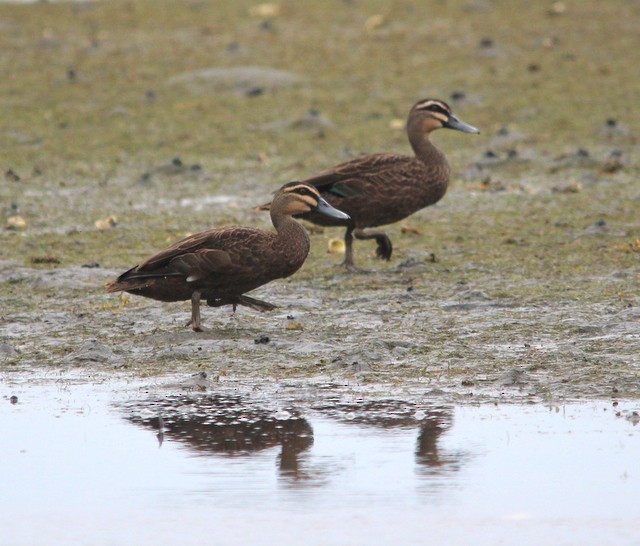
(432, 423)
(234, 426)
(220, 424)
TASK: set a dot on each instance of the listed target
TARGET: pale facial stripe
(440, 117)
(308, 200)
(426, 104)
(300, 187)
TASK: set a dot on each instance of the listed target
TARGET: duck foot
(352, 268)
(196, 327)
(255, 304)
(384, 248)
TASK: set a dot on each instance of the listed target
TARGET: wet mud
(520, 285)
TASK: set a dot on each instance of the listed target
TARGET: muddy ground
(126, 125)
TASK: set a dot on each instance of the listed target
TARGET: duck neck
(425, 150)
(292, 238)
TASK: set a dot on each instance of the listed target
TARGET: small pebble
(11, 176)
(254, 91)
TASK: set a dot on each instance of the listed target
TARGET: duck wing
(199, 251)
(352, 177)
(196, 256)
(361, 175)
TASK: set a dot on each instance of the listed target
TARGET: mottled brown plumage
(380, 189)
(220, 265)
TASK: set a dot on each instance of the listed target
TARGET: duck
(382, 188)
(220, 265)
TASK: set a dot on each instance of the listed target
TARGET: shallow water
(136, 463)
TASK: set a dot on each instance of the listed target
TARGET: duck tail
(266, 207)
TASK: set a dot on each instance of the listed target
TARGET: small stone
(614, 162)
(267, 9)
(571, 187)
(91, 351)
(633, 418)
(49, 259)
(15, 222)
(513, 377)
(262, 340)
(409, 230)
(374, 23)
(11, 176)
(557, 8)
(7, 351)
(109, 222)
(255, 91)
(295, 326)
(336, 246)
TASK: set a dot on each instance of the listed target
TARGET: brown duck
(220, 265)
(380, 189)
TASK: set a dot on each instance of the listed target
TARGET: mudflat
(127, 125)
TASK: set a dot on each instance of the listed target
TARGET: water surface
(133, 463)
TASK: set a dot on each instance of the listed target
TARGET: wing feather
(342, 177)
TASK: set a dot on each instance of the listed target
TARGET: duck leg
(195, 323)
(385, 248)
(348, 250)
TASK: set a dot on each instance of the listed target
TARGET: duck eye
(439, 109)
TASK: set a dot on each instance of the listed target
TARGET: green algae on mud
(536, 260)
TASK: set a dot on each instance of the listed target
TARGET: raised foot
(384, 248)
(255, 304)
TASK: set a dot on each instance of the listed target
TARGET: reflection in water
(372, 473)
(224, 424)
(232, 425)
(431, 422)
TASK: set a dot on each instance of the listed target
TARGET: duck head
(432, 114)
(297, 198)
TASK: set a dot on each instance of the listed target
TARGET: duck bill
(458, 125)
(325, 208)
